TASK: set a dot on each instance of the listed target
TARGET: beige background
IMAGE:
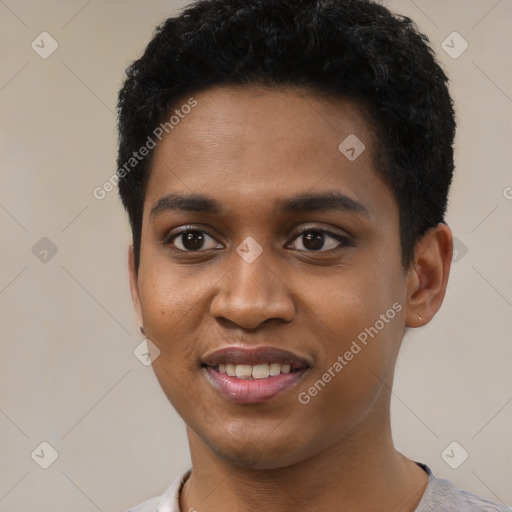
(68, 331)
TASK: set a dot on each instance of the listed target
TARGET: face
(269, 253)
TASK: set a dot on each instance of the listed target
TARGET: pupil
(314, 240)
(193, 240)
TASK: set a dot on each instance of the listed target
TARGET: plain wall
(68, 330)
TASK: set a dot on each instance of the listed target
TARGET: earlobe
(428, 275)
(134, 285)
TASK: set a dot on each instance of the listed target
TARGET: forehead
(253, 144)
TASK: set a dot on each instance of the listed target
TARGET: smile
(253, 375)
(257, 371)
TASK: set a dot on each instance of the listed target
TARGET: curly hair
(353, 49)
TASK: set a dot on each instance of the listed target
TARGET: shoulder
(442, 494)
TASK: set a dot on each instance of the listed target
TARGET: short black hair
(353, 49)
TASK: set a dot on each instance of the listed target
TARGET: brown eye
(193, 240)
(313, 241)
(319, 240)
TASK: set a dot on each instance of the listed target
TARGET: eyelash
(344, 241)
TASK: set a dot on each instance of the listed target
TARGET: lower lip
(250, 391)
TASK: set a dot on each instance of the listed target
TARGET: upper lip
(254, 355)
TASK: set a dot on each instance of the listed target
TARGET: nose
(251, 294)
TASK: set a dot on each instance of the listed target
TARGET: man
(285, 166)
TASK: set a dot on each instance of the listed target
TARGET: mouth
(253, 375)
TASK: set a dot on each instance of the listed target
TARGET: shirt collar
(170, 501)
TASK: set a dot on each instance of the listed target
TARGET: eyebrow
(321, 202)
(187, 203)
(302, 203)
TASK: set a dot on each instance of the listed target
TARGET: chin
(261, 453)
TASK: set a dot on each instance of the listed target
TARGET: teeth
(260, 371)
(257, 371)
(275, 369)
(243, 371)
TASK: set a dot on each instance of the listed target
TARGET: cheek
(361, 325)
(170, 295)
(353, 302)
(169, 314)
(170, 320)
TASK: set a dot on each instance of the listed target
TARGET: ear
(427, 276)
(134, 284)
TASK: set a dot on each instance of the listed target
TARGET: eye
(192, 240)
(321, 241)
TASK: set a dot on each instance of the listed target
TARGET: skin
(246, 148)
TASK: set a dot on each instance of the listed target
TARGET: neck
(361, 471)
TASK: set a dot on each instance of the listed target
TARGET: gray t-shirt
(440, 496)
